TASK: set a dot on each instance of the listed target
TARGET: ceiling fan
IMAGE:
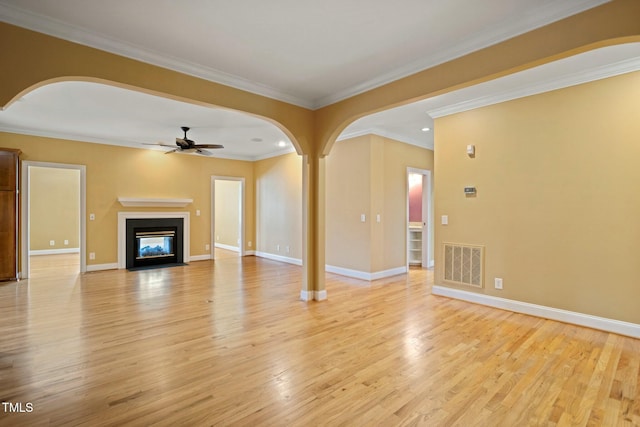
(185, 145)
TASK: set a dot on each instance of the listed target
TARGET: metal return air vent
(463, 264)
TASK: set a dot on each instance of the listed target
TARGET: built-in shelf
(137, 202)
(415, 245)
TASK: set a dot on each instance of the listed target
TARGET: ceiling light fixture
(426, 129)
(281, 144)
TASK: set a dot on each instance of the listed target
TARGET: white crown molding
(581, 319)
(62, 30)
(496, 34)
(588, 75)
(385, 134)
(482, 40)
(130, 144)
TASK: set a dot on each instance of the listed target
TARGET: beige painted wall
(54, 203)
(348, 195)
(557, 206)
(368, 175)
(114, 172)
(227, 212)
(279, 205)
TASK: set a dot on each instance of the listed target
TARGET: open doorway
(419, 223)
(53, 230)
(227, 225)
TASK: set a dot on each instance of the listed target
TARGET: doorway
(419, 213)
(53, 218)
(227, 217)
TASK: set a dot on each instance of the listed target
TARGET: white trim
(66, 31)
(363, 275)
(122, 231)
(101, 267)
(227, 247)
(320, 295)
(581, 319)
(288, 260)
(496, 96)
(138, 202)
(482, 39)
(306, 295)
(38, 252)
(241, 221)
(493, 35)
(204, 257)
(25, 232)
(249, 253)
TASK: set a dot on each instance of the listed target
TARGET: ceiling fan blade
(160, 144)
(208, 146)
(203, 152)
(171, 151)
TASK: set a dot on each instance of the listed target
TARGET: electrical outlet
(92, 255)
(207, 247)
(52, 242)
(249, 243)
(66, 242)
(286, 249)
(498, 283)
(277, 248)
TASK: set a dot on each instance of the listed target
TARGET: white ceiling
(307, 53)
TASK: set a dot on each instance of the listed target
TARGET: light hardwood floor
(229, 343)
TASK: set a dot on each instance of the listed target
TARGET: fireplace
(154, 242)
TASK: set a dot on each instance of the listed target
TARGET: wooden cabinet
(9, 177)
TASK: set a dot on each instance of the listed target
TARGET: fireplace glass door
(155, 244)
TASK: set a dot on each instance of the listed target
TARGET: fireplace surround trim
(122, 231)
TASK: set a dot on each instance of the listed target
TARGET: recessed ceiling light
(256, 139)
(425, 129)
(281, 143)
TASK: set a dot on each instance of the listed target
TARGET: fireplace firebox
(154, 242)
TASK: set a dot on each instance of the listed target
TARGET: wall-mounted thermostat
(470, 191)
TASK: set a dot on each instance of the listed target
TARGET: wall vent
(463, 264)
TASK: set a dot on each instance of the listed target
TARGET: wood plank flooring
(227, 342)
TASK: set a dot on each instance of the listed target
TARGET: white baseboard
(313, 295)
(200, 257)
(280, 258)
(363, 275)
(100, 267)
(249, 253)
(227, 247)
(54, 251)
(580, 319)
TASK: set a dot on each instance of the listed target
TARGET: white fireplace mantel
(138, 202)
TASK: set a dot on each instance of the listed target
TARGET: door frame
(427, 217)
(212, 247)
(25, 212)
